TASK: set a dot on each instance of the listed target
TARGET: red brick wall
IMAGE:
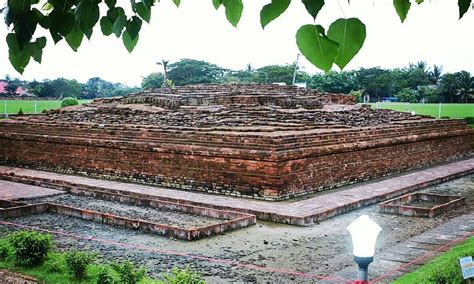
(257, 166)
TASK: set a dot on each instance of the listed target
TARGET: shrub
(20, 112)
(69, 101)
(178, 276)
(30, 248)
(469, 119)
(77, 263)
(128, 273)
(5, 249)
(54, 265)
(104, 276)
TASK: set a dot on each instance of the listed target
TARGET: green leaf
(143, 12)
(74, 38)
(233, 10)
(148, 3)
(119, 23)
(36, 49)
(350, 35)
(12, 43)
(316, 46)
(25, 27)
(402, 7)
(272, 11)
(19, 59)
(88, 33)
(463, 7)
(111, 3)
(177, 2)
(87, 14)
(419, 1)
(313, 7)
(61, 22)
(106, 26)
(217, 3)
(128, 41)
(133, 27)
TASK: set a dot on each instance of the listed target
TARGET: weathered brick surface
(257, 141)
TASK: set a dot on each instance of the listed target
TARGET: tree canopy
(71, 20)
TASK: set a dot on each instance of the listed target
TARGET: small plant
(179, 276)
(20, 112)
(69, 101)
(30, 248)
(54, 265)
(5, 249)
(128, 273)
(104, 276)
(77, 263)
(469, 119)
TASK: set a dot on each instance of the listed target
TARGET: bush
(77, 263)
(30, 248)
(178, 276)
(55, 265)
(128, 273)
(104, 276)
(69, 101)
(469, 119)
(5, 249)
(20, 112)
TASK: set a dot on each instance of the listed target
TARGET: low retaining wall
(10, 209)
(403, 205)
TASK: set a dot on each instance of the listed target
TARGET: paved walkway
(303, 212)
(13, 190)
(405, 257)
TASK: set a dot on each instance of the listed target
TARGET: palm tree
(450, 86)
(435, 75)
(466, 85)
(164, 63)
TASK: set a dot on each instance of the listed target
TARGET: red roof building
(3, 85)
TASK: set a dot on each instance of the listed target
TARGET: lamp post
(364, 232)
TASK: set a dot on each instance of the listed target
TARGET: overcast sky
(432, 32)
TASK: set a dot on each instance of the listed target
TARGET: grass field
(443, 269)
(13, 106)
(447, 110)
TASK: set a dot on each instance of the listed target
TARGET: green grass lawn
(13, 106)
(443, 269)
(447, 110)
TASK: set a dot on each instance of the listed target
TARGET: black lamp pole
(363, 263)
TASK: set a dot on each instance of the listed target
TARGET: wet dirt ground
(321, 249)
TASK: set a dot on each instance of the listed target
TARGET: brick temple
(262, 141)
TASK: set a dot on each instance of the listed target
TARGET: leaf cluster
(73, 19)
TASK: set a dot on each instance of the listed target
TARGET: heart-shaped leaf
(402, 7)
(177, 2)
(316, 46)
(106, 26)
(233, 10)
(463, 7)
(272, 11)
(74, 38)
(217, 3)
(143, 12)
(350, 35)
(313, 7)
(128, 41)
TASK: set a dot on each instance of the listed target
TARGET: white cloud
(432, 32)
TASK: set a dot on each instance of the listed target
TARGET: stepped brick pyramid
(262, 141)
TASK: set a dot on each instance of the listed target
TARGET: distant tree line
(60, 88)
(414, 83)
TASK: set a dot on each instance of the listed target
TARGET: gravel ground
(322, 249)
(166, 217)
